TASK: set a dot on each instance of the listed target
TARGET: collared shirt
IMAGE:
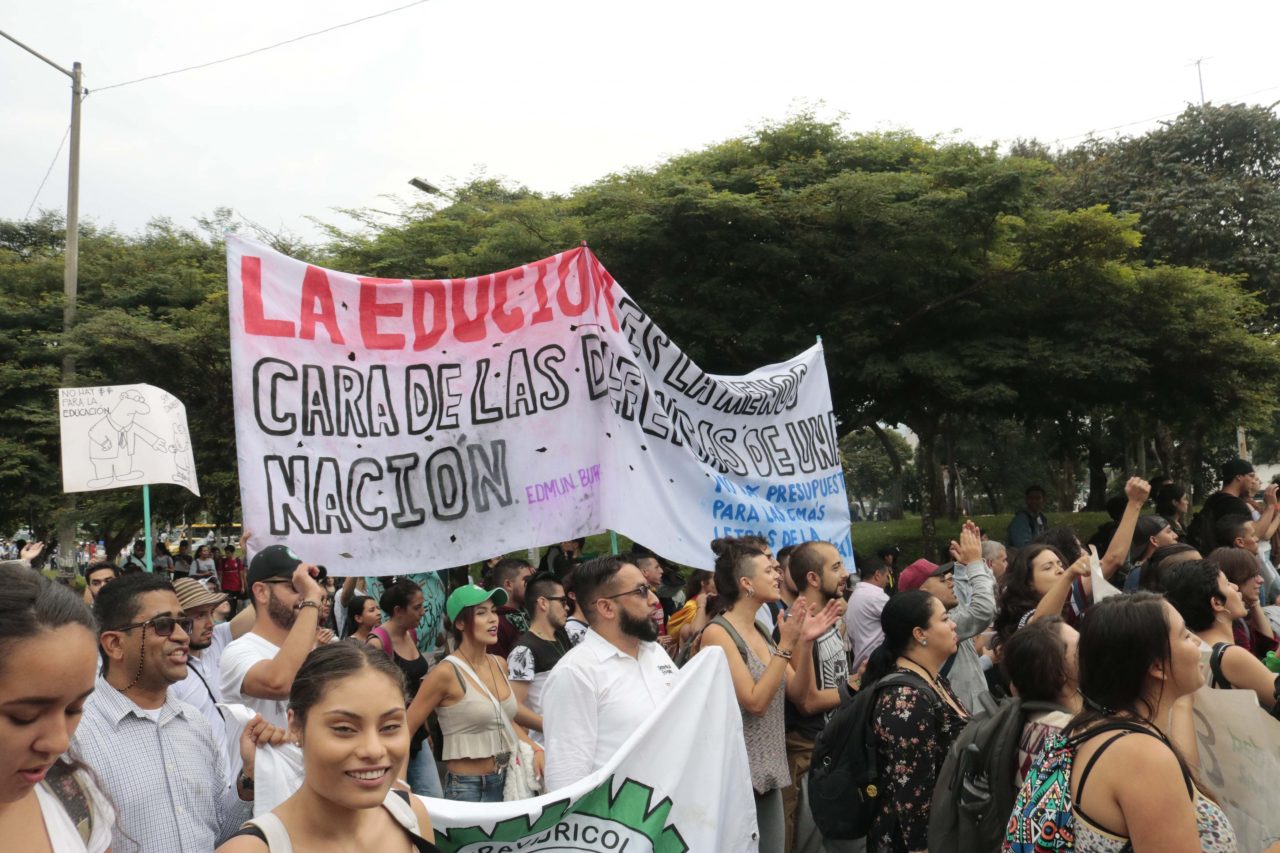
(164, 775)
(597, 695)
(202, 690)
(863, 620)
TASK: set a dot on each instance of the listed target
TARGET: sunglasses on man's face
(162, 626)
(639, 592)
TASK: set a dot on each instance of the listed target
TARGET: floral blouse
(912, 739)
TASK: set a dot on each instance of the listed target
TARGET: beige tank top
(472, 727)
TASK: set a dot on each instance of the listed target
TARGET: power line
(1157, 118)
(48, 172)
(263, 49)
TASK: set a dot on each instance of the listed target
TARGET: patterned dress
(912, 739)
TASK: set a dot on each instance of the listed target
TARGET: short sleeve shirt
(238, 658)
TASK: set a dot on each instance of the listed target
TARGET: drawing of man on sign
(113, 439)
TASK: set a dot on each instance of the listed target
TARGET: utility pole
(1200, 77)
(71, 269)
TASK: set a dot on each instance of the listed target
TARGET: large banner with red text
(389, 425)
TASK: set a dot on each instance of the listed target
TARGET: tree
(873, 473)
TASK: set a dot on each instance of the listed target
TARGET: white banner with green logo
(680, 783)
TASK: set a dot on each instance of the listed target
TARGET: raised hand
(1137, 490)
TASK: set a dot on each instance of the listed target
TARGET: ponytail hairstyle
(733, 563)
(902, 614)
(399, 594)
(354, 610)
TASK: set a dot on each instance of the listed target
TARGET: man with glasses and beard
(609, 683)
(155, 756)
(258, 669)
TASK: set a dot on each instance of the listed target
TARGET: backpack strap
(273, 831)
(1215, 666)
(740, 643)
(384, 639)
(62, 781)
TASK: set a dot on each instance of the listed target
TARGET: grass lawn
(870, 536)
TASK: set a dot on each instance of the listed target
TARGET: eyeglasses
(563, 599)
(163, 626)
(639, 592)
(282, 581)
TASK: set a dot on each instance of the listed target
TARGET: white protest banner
(692, 794)
(436, 423)
(1240, 762)
(124, 435)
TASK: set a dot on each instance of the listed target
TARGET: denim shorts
(486, 788)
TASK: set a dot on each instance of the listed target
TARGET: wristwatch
(245, 782)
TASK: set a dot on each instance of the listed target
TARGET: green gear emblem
(609, 823)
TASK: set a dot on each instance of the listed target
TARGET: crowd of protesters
(529, 678)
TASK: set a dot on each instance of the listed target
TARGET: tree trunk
(1097, 466)
(953, 476)
(1164, 447)
(895, 491)
(927, 471)
(991, 498)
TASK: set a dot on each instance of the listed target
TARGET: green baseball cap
(469, 596)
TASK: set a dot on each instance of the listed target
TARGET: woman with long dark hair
(347, 713)
(402, 603)
(48, 661)
(480, 717)
(1038, 583)
(1174, 504)
(1210, 605)
(1136, 728)
(364, 616)
(914, 725)
(1039, 662)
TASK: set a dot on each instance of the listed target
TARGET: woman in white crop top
(478, 712)
(48, 635)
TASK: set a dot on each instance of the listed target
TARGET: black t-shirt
(531, 655)
(1220, 505)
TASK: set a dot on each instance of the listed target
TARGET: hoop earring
(751, 591)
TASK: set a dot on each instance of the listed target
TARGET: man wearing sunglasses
(155, 756)
(540, 648)
(258, 669)
(609, 683)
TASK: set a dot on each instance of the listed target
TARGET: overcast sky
(558, 93)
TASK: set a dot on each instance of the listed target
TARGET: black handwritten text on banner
(397, 424)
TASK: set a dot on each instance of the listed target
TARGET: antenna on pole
(1200, 75)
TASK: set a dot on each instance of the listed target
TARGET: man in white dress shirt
(607, 685)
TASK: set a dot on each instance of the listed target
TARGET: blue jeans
(475, 789)
(424, 778)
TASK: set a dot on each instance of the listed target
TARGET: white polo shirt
(595, 697)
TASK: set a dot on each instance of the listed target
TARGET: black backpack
(975, 791)
(844, 778)
(1202, 532)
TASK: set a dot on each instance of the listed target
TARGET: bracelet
(782, 654)
(307, 603)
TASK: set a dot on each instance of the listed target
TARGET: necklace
(553, 640)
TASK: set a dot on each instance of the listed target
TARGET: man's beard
(642, 629)
(280, 613)
(196, 645)
(833, 593)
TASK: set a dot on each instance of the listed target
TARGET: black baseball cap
(1235, 468)
(274, 561)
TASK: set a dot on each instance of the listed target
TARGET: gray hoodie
(975, 588)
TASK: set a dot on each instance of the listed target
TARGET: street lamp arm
(37, 54)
